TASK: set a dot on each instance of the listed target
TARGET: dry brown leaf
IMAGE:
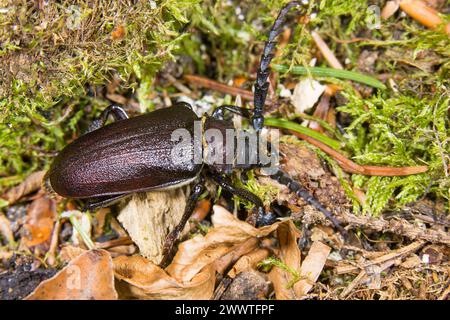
(248, 262)
(30, 184)
(141, 278)
(118, 33)
(312, 267)
(69, 252)
(201, 210)
(88, 277)
(222, 264)
(41, 216)
(149, 217)
(5, 229)
(290, 255)
(191, 275)
(228, 233)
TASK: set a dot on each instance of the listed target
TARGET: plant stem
(331, 73)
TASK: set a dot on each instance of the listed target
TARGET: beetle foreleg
(263, 217)
(172, 237)
(117, 112)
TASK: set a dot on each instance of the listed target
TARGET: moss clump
(400, 131)
(53, 53)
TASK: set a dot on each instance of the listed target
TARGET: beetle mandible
(131, 155)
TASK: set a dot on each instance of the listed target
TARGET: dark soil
(17, 284)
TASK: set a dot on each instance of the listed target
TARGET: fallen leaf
(201, 210)
(326, 51)
(222, 264)
(228, 233)
(30, 184)
(40, 219)
(69, 252)
(312, 267)
(423, 14)
(118, 33)
(412, 262)
(191, 275)
(87, 277)
(290, 256)
(248, 262)
(5, 229)
(141, 278)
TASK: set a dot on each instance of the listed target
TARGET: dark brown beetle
(135, 154)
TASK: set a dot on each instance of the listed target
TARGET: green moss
(51, 55)
(400, 131)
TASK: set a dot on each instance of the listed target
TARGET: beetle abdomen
(126, 156)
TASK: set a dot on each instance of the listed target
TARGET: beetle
(130, 155)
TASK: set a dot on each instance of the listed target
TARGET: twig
(214, 85)
(362, 277)
(51, 253)
(391, 256)
(326, 52)
(400, 227)
(445, 293)
(123, 241)
(351, 167)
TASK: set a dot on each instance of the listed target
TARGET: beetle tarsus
(265, 218)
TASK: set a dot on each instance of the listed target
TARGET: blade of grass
(285, 124)
(331, 73)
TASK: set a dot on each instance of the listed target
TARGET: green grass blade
(331, 73)
(285, 124)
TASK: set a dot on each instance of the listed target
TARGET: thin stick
(123, 241)
(351, 167)
(326, 51)
(217, 86)
(51, 253)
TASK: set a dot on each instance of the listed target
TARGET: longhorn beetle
(130, 155)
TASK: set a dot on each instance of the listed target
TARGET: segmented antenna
(296, 188)
(261, 84)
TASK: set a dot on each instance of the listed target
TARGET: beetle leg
(261, 84)
(172, 237)
(117, 112)
(263, 217)
(218, 113)
(100, 202)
